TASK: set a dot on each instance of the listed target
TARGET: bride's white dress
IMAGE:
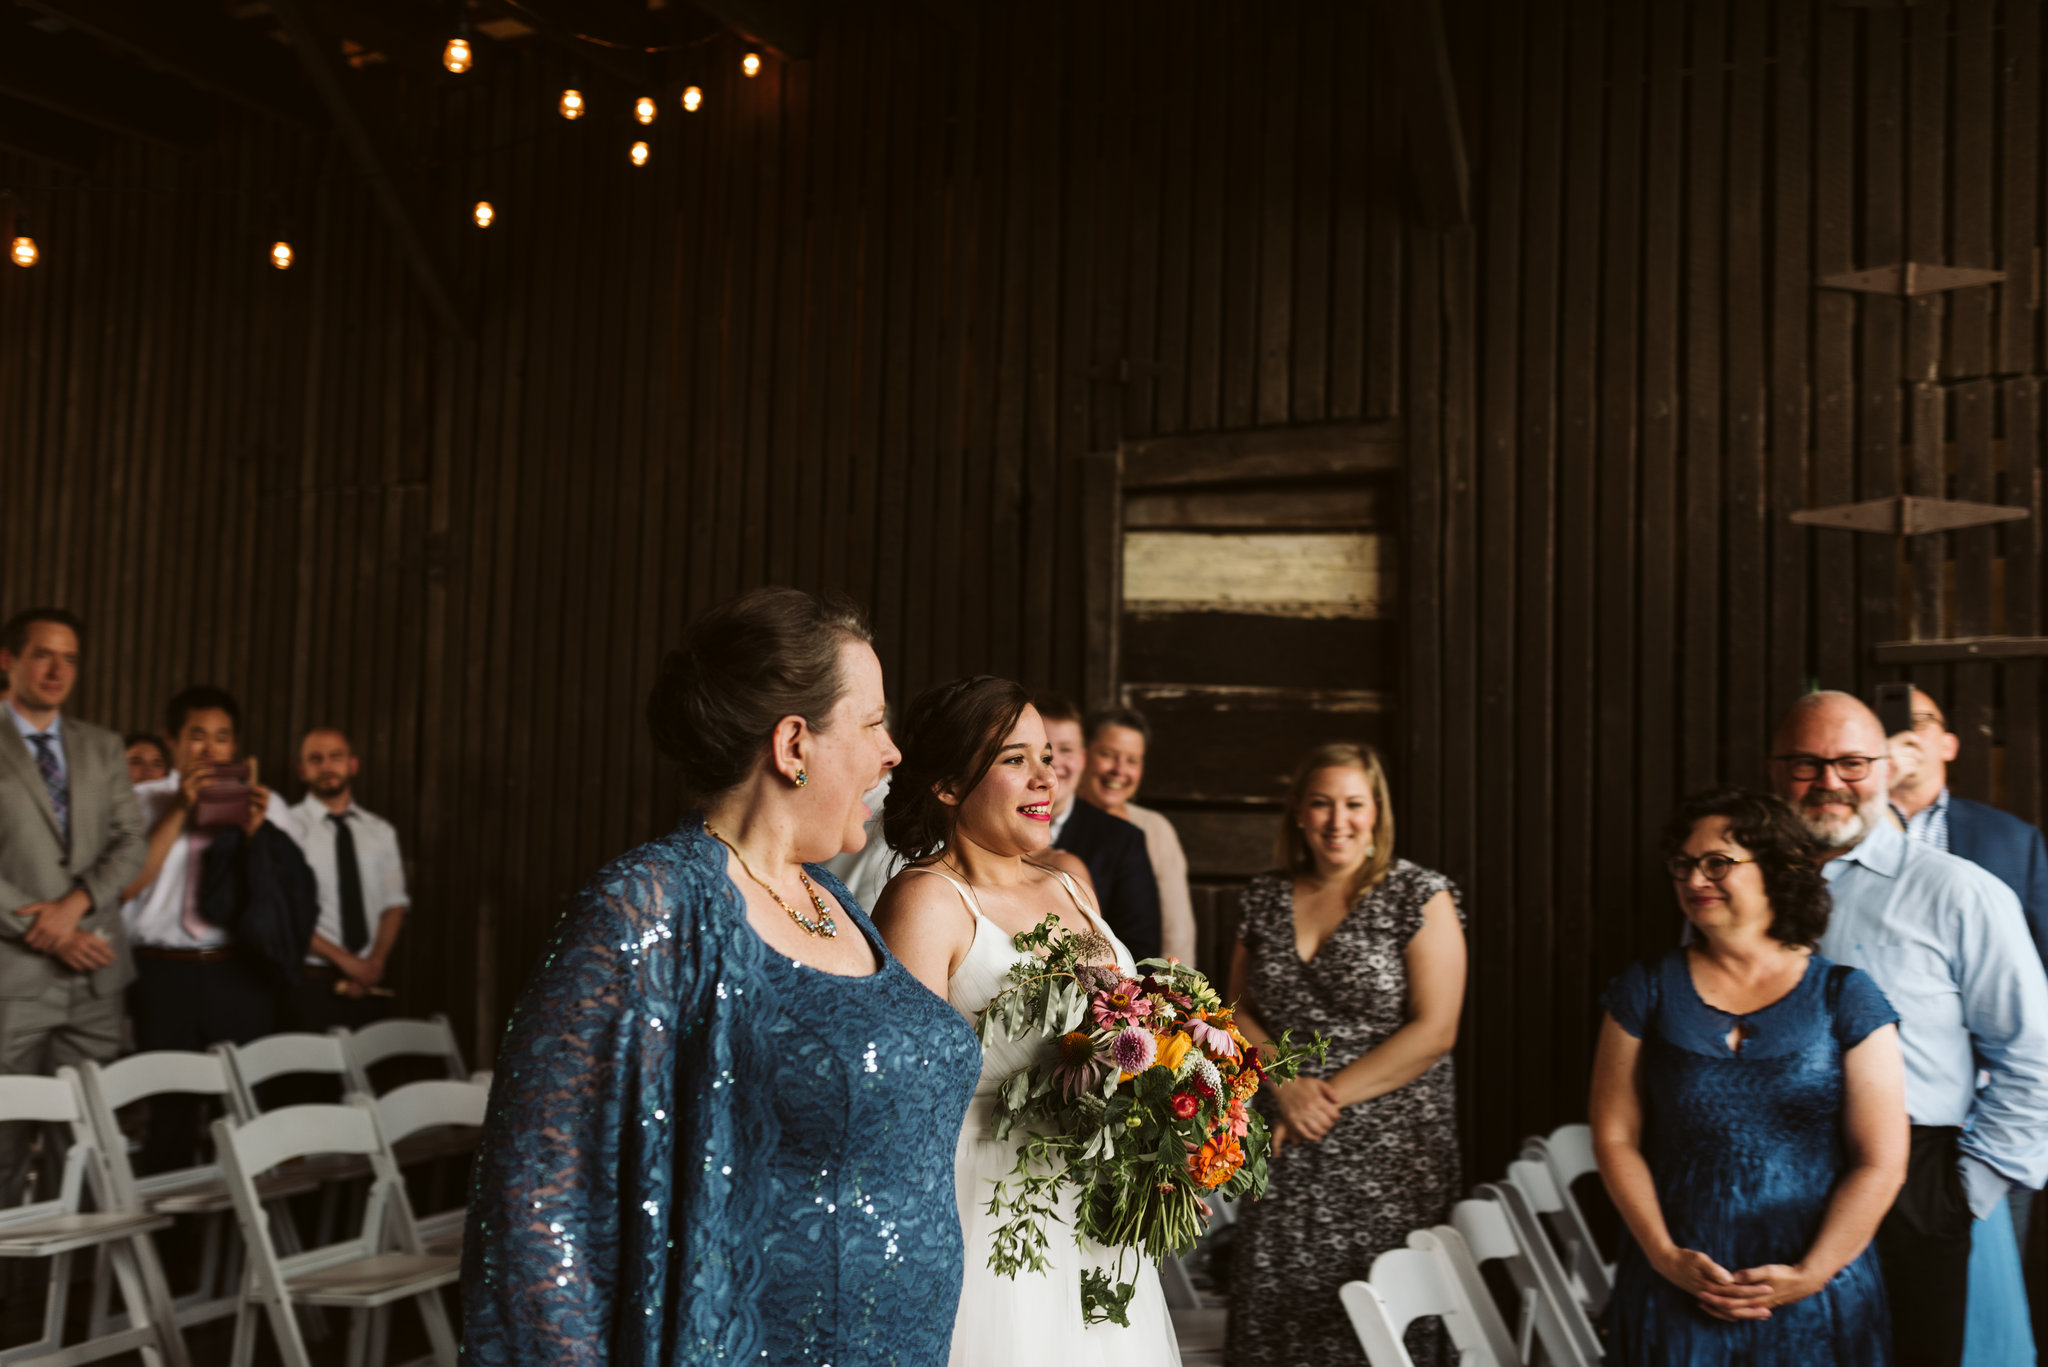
(1035, 1317)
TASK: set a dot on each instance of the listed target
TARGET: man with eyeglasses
(1947, 943)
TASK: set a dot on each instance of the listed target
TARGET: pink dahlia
(1133, 1049)
(1120, 1004)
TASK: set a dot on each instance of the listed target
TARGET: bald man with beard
(1949, 946)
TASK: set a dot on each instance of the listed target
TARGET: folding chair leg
(284, 1327)
(244, 1352)
(439, 1333)
(358, 1337)
(380, 1336)
(141, 1313)
(99, 1322)
(57, 1299)
(156, 1290)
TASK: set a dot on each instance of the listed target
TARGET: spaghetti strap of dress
(1080, 902)
(966, 893)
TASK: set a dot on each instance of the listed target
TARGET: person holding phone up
(222, 912)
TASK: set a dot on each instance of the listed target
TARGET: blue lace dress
(1746, 1148)
(700, 1151)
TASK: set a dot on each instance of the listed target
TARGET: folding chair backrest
(404, 1111)
(1581, 1254)
(404, 1038)
(1408, 1284)
(257, 1062)
(250, 1147)
(1545, 1312)
(107, 1087)
(56, 1101)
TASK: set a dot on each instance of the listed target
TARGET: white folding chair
(288, 1055)
(1531, 1177)
(1568, 1153)
(423, 1107)
(1488, 1231)
(1407, 1284)
(55, 1229)
(431, 1038)
(199, 1191)
(356, 1274)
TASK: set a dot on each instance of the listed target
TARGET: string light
(692, 98)
(23, 253)
(639, 154)
(281, 255)
(456, 56)
(572, 104)
(643, 109)
(483, 213)
(751, 63)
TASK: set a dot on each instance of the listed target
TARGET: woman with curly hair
(1749, 1113)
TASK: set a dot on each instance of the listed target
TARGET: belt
(188, 956)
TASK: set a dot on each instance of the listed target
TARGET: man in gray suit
(71, 838)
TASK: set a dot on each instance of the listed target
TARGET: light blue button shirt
(55, 731)
(1947, 943)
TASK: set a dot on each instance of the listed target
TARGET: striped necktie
(53, 779)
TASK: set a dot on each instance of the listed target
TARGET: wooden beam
(1960, 649)
(1272, 453)
(71, 75)
(634, 70)
(1435, 138)
(375, 150)
(789, 27)
(216, 54)
(35, 132)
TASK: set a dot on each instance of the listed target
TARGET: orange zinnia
(1216, 1161)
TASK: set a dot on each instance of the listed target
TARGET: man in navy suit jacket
(1997, 842)
(1111, 847)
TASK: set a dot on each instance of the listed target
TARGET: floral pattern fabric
(701, 1151)
(1388, 1166)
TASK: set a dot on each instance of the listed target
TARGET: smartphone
(1895, 707)
(224, 796)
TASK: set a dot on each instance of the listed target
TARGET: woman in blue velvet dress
(723, 1120)
(1748, 1115)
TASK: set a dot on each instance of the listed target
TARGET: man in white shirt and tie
(356, 862)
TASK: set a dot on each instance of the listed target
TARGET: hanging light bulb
(643, 109)
(484, 213)
(751, 63)
(572, 104)
(692, 98)
(456, 56)
(23, 253)
(639, 154)
(281, 255)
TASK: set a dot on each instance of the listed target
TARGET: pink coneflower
(1079, 1070)
(1121, 1004)
(1217, 1042)
(1133, 1049)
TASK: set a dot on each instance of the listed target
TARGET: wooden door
(1251, 586)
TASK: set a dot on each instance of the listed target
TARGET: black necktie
(355, 927)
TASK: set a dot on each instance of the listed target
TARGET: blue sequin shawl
(613, 1221)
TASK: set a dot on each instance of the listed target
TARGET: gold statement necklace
(824, 925)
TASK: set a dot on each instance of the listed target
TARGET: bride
(971, 808)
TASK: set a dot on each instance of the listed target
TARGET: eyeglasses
(1714, 866)
(1849, 768)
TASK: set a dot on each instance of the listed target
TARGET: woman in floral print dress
(1368, 951)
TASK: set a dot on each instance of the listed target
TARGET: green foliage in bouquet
(1142, 1105)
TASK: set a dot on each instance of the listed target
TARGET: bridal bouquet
(1143, 1106)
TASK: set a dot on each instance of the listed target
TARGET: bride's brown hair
(950, 736)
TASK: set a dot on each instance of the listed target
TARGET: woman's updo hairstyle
(950, 736)
(1783, 850)
(742, 667)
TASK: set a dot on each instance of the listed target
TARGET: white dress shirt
(377, 860)
(156, 915)
(55, 731)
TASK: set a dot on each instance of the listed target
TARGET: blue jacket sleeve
(1131, 904)
(2034, 899)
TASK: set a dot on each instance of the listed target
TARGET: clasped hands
(1750, 1294)
(53, 930)
(1308, 1109)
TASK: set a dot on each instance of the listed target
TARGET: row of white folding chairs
(232, 1073)
(391, 1255)
(1531, 1223)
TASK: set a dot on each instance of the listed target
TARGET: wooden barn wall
(1642, 381)
(852, 328)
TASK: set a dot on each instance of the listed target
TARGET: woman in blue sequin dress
(1749, 1115)
(724, 1115)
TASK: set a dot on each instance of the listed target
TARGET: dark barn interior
(1447, 379)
